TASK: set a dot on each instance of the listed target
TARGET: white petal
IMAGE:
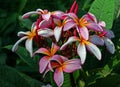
(81, 50)
(46, 32)
(39, 10)
(28, 45)
(26, 15)
(70, 40)
(46, 16)
(94, 49)
(109, 45)
(16, 44)
(102, 23)
(33, 27)
(21, 33)
(57, 33)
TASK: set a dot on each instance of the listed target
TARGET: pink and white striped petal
(94, 26)
(102, 23)
(84, 33)
(94, 49)
(73, 16)
(109, 45)
(58, 14)
(28, 46)
(70, 40)
(81, 51)
(71, 65)
(58, 77)
(69, 24)
(96, 40)
(15, 47)
(46, 16)
(45, 24)
(26, 15)
(54, 48)
(43, 63)
(45, 32)
(57, 33)
(42, 51)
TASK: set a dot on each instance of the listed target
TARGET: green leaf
(67, 80)
(117, 8)
(9, 77)
(24, 55)
(22, 4)
(104, 11)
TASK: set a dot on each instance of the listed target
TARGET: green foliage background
(19, 70)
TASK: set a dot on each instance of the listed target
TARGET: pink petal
(73, 16)
(109, 45)
(57, 33)
(81, 51)
(57, 58)
(45, 23)
(26, 15)
(42, 51)
(28, 46)
(94, 49)
(69, 24)
(57, 21)
(102, 23)
(96, 40)
(43, 63)
(70, 40)
(84, 33)
(58, 77)
(71, 65)
(54, 48)
(46, 16)
(15, 47)
(94, 26)
(45, 32)
(58, 14)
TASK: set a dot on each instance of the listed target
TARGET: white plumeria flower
(29, 35)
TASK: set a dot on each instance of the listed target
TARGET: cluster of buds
(70, 37)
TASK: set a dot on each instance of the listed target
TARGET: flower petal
(109, 45)
(58, 14)
(21, 33)
(71, 65)
(58, 77)
(73, 16)
(54, 48)
(84, 32)
(26, 15)
(57, 21)
(69, 24)
(81, 51)
(109, 34)
(46, 16)
(46, 32)
(28, 46)
(42, 51)
(102, 23)
(70, 40)
(57, 33)
(45, 23)
(15, 47)
(43, 63)
(96, 40)
(94, 49)
(94, 26)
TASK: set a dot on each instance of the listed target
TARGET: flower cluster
(70, 36)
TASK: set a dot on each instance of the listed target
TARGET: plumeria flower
(82, 25)
(29, 35)
(81, 48)
(65, 65)
(45, 14)
(44, 62)
(104, 38)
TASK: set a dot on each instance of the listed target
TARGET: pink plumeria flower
(44, 62)
(81, 49)
(104, 38)
(29, 35)
(64, 65)
(45, 14)
(82, 25)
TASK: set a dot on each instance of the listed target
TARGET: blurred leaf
(24, 55)
(104, 11)
(112, 80)
(22, 5)
(3, 58)
(117, 8)
(9, 77)
(67, 80)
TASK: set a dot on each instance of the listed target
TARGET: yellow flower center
(82, 22)
(31, 34)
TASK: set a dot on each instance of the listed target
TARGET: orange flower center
(31, 34)
(82, 22)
